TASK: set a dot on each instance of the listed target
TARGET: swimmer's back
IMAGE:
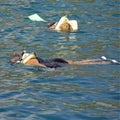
(53, 63)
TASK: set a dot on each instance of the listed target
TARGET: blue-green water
(69, 93)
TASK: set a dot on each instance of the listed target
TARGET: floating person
(64, 24)
(33, 60)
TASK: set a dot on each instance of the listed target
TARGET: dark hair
(14, 58)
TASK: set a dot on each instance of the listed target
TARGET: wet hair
(14, 58)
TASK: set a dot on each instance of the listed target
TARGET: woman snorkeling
(33, 60)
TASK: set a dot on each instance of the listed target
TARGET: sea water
(88, 92)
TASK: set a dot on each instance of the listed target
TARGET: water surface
(72, 92)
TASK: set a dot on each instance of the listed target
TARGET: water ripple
(72, 92)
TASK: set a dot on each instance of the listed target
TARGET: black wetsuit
(53, 63)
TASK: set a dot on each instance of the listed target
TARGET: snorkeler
(33, 60)
(64, 24)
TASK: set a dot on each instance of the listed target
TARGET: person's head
(65, 27)
(15, 58)
(21, 58)
(64, 24)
